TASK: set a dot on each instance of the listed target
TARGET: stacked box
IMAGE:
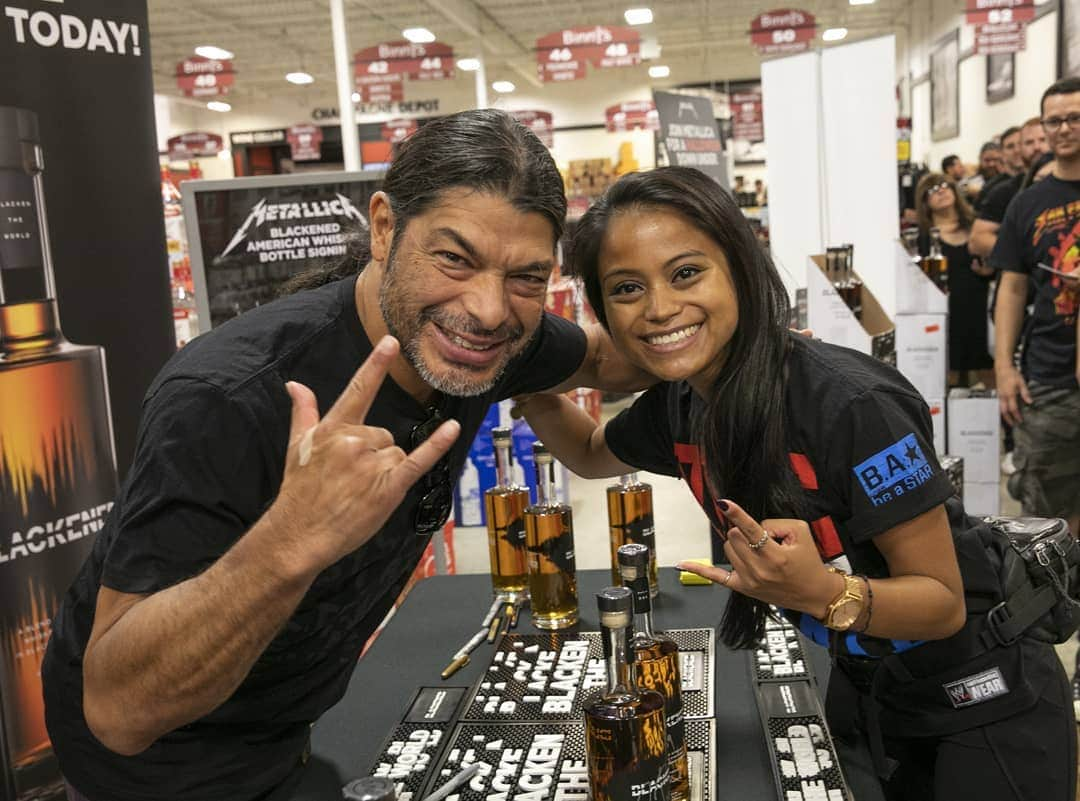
(975, 436)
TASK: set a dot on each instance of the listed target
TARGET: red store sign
(747, 121)
(433, 61)
(785, 30)
(997, 12)
(395, 131)
(1006, 37)
(539, 122)
(633, 115)
(193, 145)
(562, 55)
(305, 141)
(204, 77)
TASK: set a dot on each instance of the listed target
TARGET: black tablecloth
(440, 615)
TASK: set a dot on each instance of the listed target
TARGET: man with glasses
(281, 497)
(1039, 242)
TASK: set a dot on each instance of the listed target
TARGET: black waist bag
(1040, 576)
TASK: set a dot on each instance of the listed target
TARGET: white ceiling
(702, 40)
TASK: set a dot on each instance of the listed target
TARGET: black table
(441, 613)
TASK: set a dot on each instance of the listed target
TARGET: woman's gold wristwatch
(841, 614)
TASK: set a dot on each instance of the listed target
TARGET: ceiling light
(356, 97)
(468, 64)
(503, 87)
(209, 51)
(638, 16)
(834, 34)
(860, 2)
(218, 105)
(418, 35)
(299, 78)
(659, 71)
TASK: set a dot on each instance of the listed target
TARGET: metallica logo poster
(688, 132)
(253, 234)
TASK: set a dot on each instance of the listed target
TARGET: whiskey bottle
(624, 726)
(505, 504)
(851, 283)
(935, 265)
(630, 520)
(657, 659)
(549, 541)
(57, 464)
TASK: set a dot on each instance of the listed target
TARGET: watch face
(845, 615)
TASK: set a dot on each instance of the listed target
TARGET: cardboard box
(938, 418)
(831, 319)
(982, 498)
(922, 348)
(915, 293)
(975, 433)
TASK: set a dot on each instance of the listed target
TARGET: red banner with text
(785, 30)
(205, 77)
(562, 55)
(539, 122)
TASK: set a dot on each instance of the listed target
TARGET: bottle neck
(545, 487)
(642, 604)
(620, 667)
(503, 474)
(24, 245)
(628, 480)
(29, 326)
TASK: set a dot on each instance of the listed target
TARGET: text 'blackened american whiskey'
(630, 520)
(505, 505)
(625, 733)
(656, 657)
(549, 540)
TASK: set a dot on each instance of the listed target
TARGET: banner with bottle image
(80, 164)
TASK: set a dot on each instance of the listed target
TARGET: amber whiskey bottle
(630, 520)
(657, 658)
(549, 540)
(57, 464)
(625, 735)
(505, 504)
(936, 265)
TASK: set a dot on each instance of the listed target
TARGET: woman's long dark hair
(742, 432)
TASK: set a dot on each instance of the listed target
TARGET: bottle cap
(369, 788)
(541, 455)
(616, 605)
(633, 560)
(500, 434)
(18, 128)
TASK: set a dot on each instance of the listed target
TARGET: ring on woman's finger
(760, 543)
(727, 579)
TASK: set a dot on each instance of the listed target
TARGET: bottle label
(20, 240)
(640, 587)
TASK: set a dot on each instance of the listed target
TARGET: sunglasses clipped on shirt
(1051, 124)
(436, 502)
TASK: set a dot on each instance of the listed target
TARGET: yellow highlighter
(685, 577)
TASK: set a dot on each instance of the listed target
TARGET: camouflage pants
(1047, 454)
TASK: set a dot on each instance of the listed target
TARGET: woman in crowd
(817, 464)
(939, 205)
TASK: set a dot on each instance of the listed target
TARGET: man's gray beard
(456, 383)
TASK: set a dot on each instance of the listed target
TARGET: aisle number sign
(631, 116)
(562, 55)
(539, 122)
(380, 70)
(1004, 37)
(205, 77)
(997, 12)
(783, 31)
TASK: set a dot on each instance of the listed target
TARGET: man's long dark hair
(742, 432)
(482, 149)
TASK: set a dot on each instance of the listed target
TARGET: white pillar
(481, 84)
(350, 141)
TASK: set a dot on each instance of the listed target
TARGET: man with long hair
(281, 497)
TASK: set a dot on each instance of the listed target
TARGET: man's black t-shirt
(988, 187)
(997, 199)
(1042, 226)
(208, 464)
(860, 442)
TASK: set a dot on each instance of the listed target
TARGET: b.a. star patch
(894, 471)
(976, 689)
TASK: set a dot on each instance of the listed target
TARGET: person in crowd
(817, 463)
(954, 168)
(990, 165)
(291, 468)
(1037, 254)
(992, 211)
(941, 206)
(1037, 246)
(1011, 164)
(761, 193)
